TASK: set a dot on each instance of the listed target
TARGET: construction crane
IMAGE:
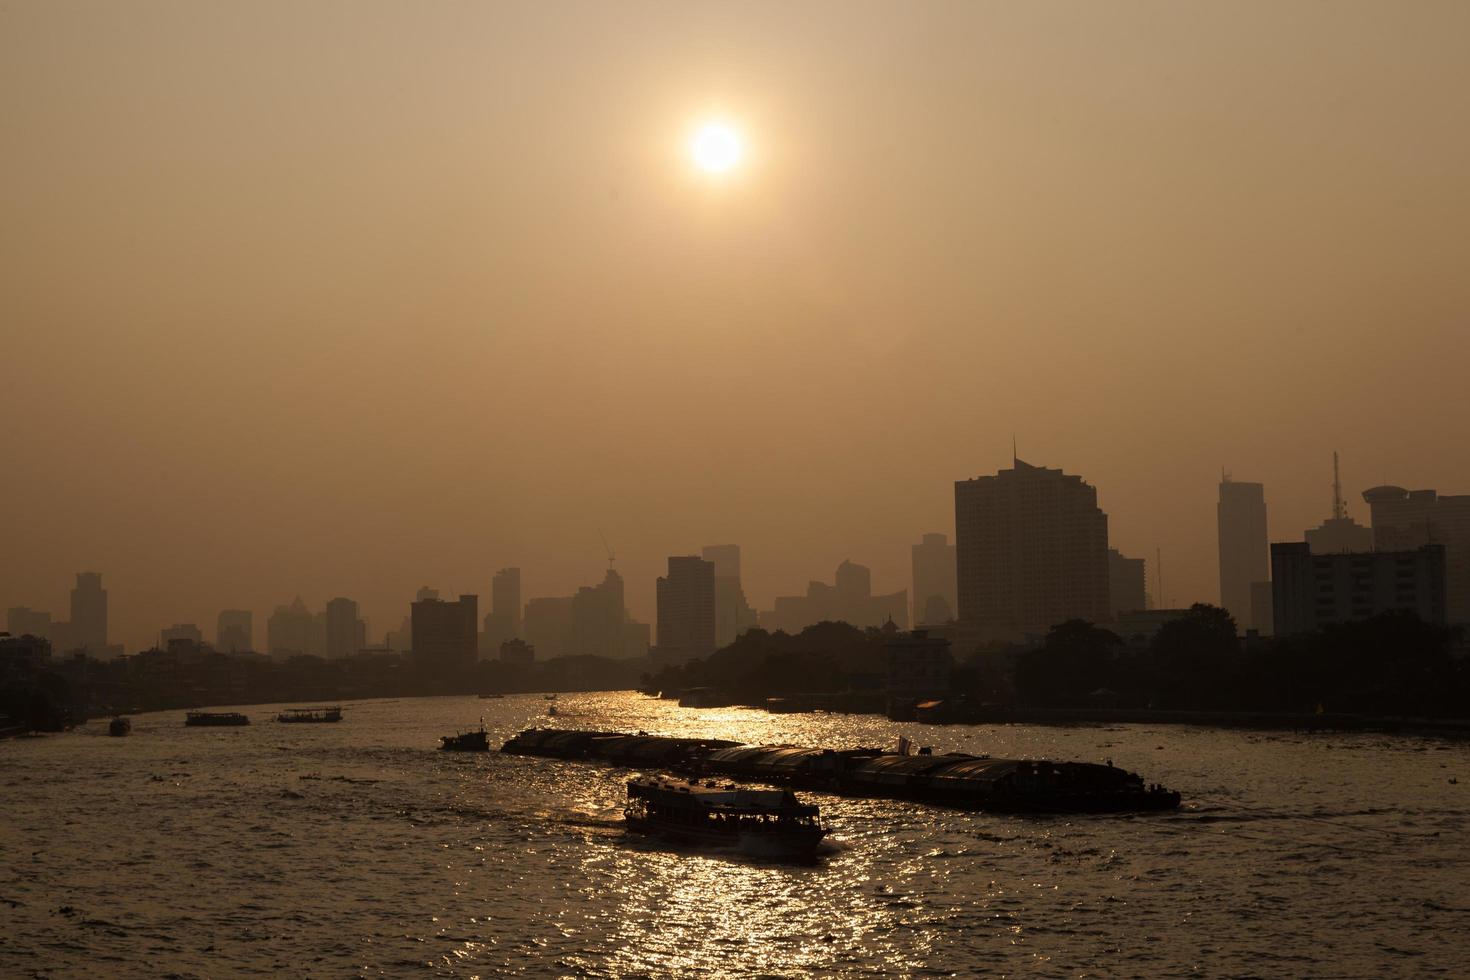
(608, 548)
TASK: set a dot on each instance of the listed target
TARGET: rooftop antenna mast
(1339, 509)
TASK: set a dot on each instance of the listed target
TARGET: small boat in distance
(310, 715)
(548, 697)
(119, 727)
(215, 718)
(466, 741)
(770, 823)
(488, 697)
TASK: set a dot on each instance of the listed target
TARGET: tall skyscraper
(1240, 518)
(505, 598)
(1404, 520)
(733, 614)
(88, 628)
(935, 591)
(344, 631)
(445, 633)
(598, 616)
(234, 631)
(548, 625)
(1339, 533)
(686, 610)
(1031, 551)
(289, 630)
(1127, 583)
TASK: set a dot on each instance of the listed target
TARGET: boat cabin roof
(720, 796)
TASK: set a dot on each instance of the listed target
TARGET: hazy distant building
(1240, 518)
(733, 614)
(548, 625)
(850, 600)
(686, 610)
(180, 633)
(505, 598)
(1127, 583)
(1031, 552)
(517, 651)
(1339, 532)
(345, 632)
(445, 634)
(24, 621)
(88, 627)
(935, 591)
(918, 665)
(598, 617)
(289, 630)
(234, 631)
(1310, 591)
(1408, 519)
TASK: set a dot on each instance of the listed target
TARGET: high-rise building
(234, 631)
(686, 610)
(345, 632)
(1310, 591)
(289, 630)
(88, 629)
(1127, 583)
(733, 614)
(1408, 519)
(1244, 557)
(935, 591)
(1031, 551)
(548, 625)
(505, 598)
(445, 634)
(24, 621)
(849, 600)
(598, 616)
(1339, 532)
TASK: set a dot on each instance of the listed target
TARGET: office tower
(1127, 583)
(1244, 557)
(289, 630)
(445, 634)
(1339, 532)
(234, 631)
(1310, 591)
(344, 630)
(24, 621)
(505, 598)
(1409, 519)
(733, 614)
(88, 629)
(848, 600)
(1031, 551)
(686, 610)
(598, 616)
(935, 592)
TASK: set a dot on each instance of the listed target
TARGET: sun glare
(716, 147)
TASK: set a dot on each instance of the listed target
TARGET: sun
(716, 147)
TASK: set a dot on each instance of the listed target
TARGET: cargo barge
(954, 779)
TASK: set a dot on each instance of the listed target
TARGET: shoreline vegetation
(1391, 673)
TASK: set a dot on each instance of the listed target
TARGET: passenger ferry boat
(215, 718)
(759, 822)
(310, 715)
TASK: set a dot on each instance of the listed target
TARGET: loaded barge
(955, 779)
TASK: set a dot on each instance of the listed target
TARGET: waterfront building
(1408, 519)
(1310, 591)
(1240, 519)
(733, 614)
(445, 634)
(935, 591)
(1031, 551)
(345, 633)
(686, 610)
(918, 665)
(1127, 583)
(234, 631)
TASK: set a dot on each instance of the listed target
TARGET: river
(358, 849)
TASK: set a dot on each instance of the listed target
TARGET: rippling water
(357, 848)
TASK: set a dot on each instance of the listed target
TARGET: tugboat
(466, 741)
(310, 715)
(215, 718)
(769, 823)
(119, 727)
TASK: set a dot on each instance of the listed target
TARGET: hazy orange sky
(348, 298)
